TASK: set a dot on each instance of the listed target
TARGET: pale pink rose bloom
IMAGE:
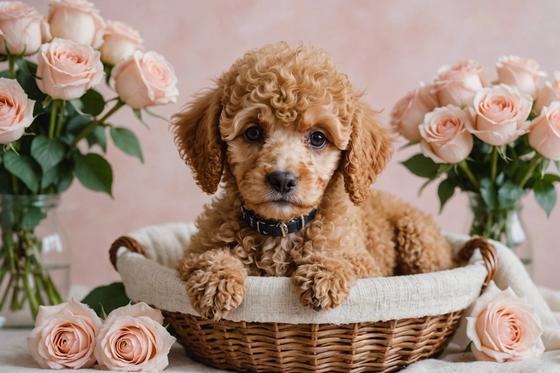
(119, 42)
(67, 69)
(145, 79)
(76, 20)
(409, 112)
(549, 92)
(64, 336)
(501, 114)
(132, 339)
(503, 327)
(520, 72)
(457, 84)
(544, 135)
(22, 28)
(445, 138)
(16, 111)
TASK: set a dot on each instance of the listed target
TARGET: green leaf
(94, 172)
(127, 141)
(93, 102)
(98, 137)
(47, 152)
(65, 178)
(446, 189)
(49, 177)
(488, 193)
(551, 178)
(105, 299)
(32, 218)
(29, 85)
(23, 168)
(545, 194)
(422, 166)
(77, 123)
(509, 194)
(138, 114)
(557, 163)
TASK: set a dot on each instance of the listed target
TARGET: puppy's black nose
(282, 182)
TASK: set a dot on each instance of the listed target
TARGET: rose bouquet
(54, 123)
(494, 140)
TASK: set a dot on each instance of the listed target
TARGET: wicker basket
(383, 346)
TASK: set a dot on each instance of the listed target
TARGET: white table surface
(15, 358)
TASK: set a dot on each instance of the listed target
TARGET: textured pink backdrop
(386, 47)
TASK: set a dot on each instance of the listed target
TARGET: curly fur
(291, 92)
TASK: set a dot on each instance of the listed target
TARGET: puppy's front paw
(325, 284)
(213, 295)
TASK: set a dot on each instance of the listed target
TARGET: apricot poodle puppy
(296, 150)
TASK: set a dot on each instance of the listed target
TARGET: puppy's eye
(254, 134)
(317, 139)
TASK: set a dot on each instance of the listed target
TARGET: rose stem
(27, 287)
(467, 171)
(12, 66)
(52, 120)
(60, 118)
(532, 165)
(494, 163)
(90, 127)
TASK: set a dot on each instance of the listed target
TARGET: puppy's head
(283, 120)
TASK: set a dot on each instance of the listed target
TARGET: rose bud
(544, 135)
(145, 79)
(501, 114)
(549, 92)
(64, 336)
(445, 138)
(409, 112)
(22, 29)
(16, 111)
(119, 42)
(519, 72)
(76, 20)
(457, 84)
(66, 69)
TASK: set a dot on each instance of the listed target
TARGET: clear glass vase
(34, 257)
(504, 225)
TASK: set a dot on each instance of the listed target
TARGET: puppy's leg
(420, 245)
(215, 282)
(324, 280)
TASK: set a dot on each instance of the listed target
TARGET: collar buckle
(284, 228)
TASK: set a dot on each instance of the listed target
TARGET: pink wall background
(386, 47)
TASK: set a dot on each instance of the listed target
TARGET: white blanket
(274, 299)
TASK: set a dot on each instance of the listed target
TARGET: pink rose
(76, 20)
(22, 29)
(119, 42)
(64, 336)
(549, 92)
(457, 84)
(445, 138)
(519, 72)
(502, 327)
(145, 79)
(16, 111)
(544, 135)
(409, 112)
(501, 114)
(66, 69)
(132, 339)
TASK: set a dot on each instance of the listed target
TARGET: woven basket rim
(167, 292)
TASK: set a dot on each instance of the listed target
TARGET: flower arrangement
(494, 140)
(72, 336)
(54, 123)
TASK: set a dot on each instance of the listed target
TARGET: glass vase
(34, 257)
(504, 225)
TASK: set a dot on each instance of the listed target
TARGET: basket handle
(488, 252)
(131, 245)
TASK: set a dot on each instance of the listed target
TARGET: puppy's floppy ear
(368, 151)
(197, 136)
